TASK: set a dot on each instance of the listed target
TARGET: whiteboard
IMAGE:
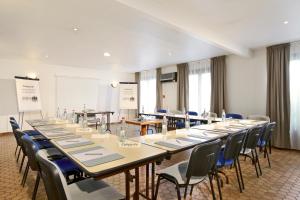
(28, 95)
(128, 96)
(73, 92)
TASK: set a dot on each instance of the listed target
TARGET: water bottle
(58, 113)
(223, 115)
(164, 127)
(81, 121)
(183, 111)
(85, 122)
(123, 131)
(102, 125)
(143, 109)
(73, 117)
(187, 121)
(65, 114)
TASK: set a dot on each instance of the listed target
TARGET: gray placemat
(169, 145)
(78, 144)
(97, 161)
(188, 140)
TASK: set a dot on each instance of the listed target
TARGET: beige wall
(247, 83)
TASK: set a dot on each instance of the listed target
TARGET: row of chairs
(208, 160)
(61, 177)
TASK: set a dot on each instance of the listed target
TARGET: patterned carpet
(282, 181)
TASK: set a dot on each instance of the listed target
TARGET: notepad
(95, 156)
(73, 142)
(174, 143)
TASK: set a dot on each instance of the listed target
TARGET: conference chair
(249, 148)
(265, 140)
(229, 155)
(201, 164)
(58, 189)
(162, 111)
(181, 124)
(262, 118)
(14, 127)
(234, 116)
(67, 167)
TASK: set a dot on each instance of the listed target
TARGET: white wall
(47, 74)
(247, 83)
(169, 89)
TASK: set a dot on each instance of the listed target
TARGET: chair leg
(212, 187)
(191, 191)
(254, 162)
(19, 155)
(237, 176)
(36, 186)
(257, 159)
(25, 175)
(266, 152)
(178, 192)
(16, 150)
(185, 190)
(22, 163)
(219, 185)
(270, 147)
(242, 180)
(157, 187)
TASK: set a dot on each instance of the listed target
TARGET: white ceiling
(139, 34)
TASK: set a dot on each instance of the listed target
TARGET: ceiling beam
(184, 23)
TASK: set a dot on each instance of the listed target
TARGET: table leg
(137, 184)
(143, 129)
(153, 180)
(108, 121)
(147, 180)
(127, 185)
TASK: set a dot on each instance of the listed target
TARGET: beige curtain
(278, 93)
(182, 86)
(137, 79)
(158, 89)
(218, 83)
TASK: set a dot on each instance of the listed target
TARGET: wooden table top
(220, 130)
(144, 122)
(133, 155)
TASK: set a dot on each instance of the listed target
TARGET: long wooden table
(146, 150)
(144, 124)
(133, 157)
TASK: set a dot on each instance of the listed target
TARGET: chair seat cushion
(44, 144)
(31, 132)
(90, 189)
(178, 173)
(245, 151)
(222, 162)
(261, 143)
(66, 166)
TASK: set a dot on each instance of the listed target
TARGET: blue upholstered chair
(229, 156)
(162, 111)
(67, 167)
(234, 116)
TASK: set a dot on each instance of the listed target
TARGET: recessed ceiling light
(106, 54)
(46, 56)
(75, 29)
(286, 22)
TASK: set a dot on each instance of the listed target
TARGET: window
(295, 95)
(199, 86)
(148, 91)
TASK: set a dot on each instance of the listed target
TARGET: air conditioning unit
(169, 77)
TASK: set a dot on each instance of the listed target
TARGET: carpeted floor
(282, 181)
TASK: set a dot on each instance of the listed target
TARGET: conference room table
(173, 118)
(134, 152)
(144, 124)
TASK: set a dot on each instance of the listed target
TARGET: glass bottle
(122, 135)
(187, 121)
(164, 127)
(223, 115)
